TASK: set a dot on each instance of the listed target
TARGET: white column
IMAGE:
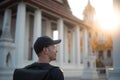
(90, 72)
(20, 33)
(6, 44)
(60, 26)
(37, 28)
(91, 57)
(85, 47)
(7, 48)
(6, 34)
(77, 42)
(73, 49)
(27, 29)
(116, 50)
(66, 45)
(115, 73)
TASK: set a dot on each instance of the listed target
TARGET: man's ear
(45, 50)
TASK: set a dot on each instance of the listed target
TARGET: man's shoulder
(45, 66)
(40, 66)
(36, 65)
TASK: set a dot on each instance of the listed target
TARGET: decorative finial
(89, 2)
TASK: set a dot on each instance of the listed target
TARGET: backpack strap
(48, 73)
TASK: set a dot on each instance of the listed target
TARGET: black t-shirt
(55, 73)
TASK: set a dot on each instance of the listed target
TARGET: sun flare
(106, 15)
(108, 22)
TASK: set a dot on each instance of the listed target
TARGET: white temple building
(22, 21)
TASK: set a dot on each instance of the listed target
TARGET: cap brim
(57, 41)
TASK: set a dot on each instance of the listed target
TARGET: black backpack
(32, 74)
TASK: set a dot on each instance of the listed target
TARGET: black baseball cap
(43, 42)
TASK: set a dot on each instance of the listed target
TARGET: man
(46, 50)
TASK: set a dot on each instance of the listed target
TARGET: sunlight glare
(105, 15)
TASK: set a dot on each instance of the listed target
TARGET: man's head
(44, 42)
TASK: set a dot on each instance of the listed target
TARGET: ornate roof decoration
(89, 9)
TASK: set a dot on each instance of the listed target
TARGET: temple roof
(53, 6)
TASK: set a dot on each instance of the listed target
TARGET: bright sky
(77, 7)
(104, 11)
